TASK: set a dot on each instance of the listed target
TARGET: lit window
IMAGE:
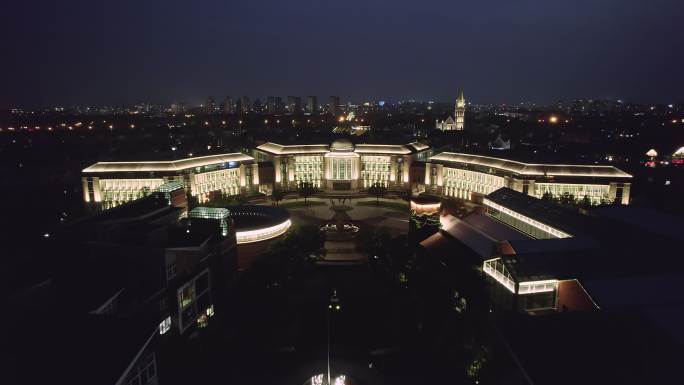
(165, 325)
(186, 296)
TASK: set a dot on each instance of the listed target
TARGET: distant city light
(553, 119)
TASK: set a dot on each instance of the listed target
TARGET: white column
(428, 168)
(625, 193)
(290, 169)
(255, 174)
(276, 168)
(242, 175)
(393, 169)
(86, 196)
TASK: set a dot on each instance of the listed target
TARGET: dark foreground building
(130, 286)
(574, 298)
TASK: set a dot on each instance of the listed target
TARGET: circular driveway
(387, 216)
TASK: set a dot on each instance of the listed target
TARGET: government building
(346, 167)
(113, 183)
(342, 166)
(471, 177)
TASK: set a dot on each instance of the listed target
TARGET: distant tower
(312, 104)
(460, 111)
(228, 105)
(294, 104)
(334, 105)
(210, 107)
(245, 105)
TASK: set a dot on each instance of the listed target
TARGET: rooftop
(532, 169)
(279, 149)
(559, 258)
(342, 145)
(168, 165)
(548, 213)
(244, 217)
(382, 149)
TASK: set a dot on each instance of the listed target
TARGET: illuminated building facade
(113, 183)
(255, 227)
(532, 252)
(470, 177)
(342, 166)
(252, 223)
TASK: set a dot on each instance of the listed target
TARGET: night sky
(503, 51)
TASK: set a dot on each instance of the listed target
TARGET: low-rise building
(541, 257)
(141, 279)
(344, 166)
(113, 183)
(470, 177)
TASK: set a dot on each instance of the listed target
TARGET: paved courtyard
(391, 219)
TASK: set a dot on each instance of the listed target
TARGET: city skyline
(499, 52)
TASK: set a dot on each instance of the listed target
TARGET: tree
(377, 190)
(278, 195)
(606, 201)
(455, 207)
(567, 199)
(241, 199)
(586, 201)
(193, 201)
(547, 197)
(305, 190)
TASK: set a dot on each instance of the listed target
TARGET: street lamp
(333, 305)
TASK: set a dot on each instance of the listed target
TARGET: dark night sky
(504, 51)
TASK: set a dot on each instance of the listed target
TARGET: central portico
(342, 166)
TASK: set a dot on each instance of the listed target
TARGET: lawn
(296, 204)
(387, 204)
